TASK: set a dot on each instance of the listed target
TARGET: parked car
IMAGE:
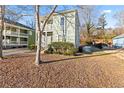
(87, 49)
(93, 48)
(101, 46)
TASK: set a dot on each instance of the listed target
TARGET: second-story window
(8, 28)
(13, 29)
(62, 21)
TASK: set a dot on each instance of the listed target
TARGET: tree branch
(45, 22)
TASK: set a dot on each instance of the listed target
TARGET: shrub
(32, 47)
(70, 51)
(65, 48)
(49, 50)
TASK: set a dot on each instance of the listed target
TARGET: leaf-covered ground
(62, 71)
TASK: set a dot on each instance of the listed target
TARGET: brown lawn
(62, 71)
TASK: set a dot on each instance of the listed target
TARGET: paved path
(15, 51)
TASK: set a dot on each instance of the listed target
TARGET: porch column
(18, 39)
(45, 38)
(4, 35)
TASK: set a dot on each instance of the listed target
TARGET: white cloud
(106, 11)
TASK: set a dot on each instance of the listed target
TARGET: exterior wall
(119, 42)
(77, 31)
(15, 36)
(71, 28)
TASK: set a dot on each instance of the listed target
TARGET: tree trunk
(88, 34)
(2, 10)
(38, 32)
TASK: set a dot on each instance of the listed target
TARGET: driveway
(15, 51)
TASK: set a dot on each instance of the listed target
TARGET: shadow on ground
(77, 57)
(63, 59)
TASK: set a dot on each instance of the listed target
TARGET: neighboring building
(62, 26)
(15, 34)
(118, 41)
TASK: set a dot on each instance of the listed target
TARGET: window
(50, 22)
(23, 31)
(8, 28)
(13, 39)
(62, 21)
(49, 33)
(13, 29)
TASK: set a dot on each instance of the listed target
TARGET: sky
(110, 11)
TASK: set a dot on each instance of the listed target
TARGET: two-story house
(61, 27)
(15, 34)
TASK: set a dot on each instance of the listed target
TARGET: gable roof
(42, 18)
(64, 12)
(16, 23)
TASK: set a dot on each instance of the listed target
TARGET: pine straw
(62, 71)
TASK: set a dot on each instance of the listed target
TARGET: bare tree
(18, 12)
(102, 22)
(88, 16)
(39, 31)
(119, 16)
(2, 11)
(101, 25)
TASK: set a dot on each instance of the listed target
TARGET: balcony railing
(23, 34)
(23, 42)
(12, 33)
(13, 42)
(9, 42)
